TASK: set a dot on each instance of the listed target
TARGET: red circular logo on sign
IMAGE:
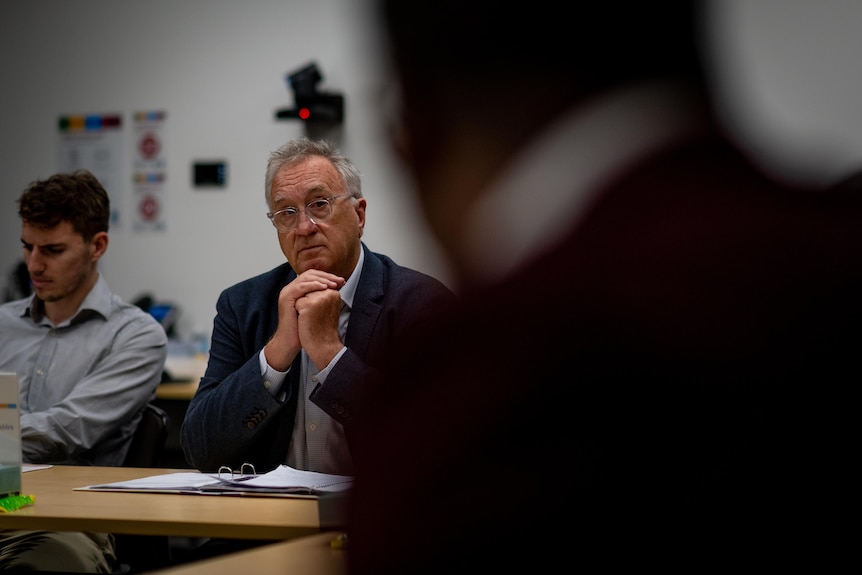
(149, 146)
(149, 208)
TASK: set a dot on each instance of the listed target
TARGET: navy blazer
(233, 419)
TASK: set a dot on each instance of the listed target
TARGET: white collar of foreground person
(549, 185)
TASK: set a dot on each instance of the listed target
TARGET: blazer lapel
(367, 305)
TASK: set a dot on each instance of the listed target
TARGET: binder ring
(242, 470)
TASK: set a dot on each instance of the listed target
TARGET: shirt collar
(98, 301)
(550, 185)
(348, 290)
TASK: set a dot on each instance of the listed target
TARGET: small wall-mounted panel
(210, 174)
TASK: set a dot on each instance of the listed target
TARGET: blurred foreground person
(646, 364)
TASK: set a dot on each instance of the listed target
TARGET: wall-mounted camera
(311, 104)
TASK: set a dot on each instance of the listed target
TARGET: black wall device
(311, 105)
(210, 174)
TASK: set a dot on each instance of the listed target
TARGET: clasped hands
(308, 310)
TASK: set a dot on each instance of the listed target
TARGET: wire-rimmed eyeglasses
(316, 211)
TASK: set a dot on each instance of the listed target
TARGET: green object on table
(13, 502)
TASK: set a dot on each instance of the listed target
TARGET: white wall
(790, 72)
(217, 67)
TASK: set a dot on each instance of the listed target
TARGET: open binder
(283, 481)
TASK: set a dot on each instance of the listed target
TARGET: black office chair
(149, 440)
(138, 553)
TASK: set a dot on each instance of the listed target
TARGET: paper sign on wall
(94, 142)
(149, 171)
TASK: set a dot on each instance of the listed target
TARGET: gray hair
(302, 148)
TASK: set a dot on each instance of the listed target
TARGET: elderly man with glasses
(296, 351)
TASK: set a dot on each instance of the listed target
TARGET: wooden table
(59, 507)
(186, 367)
(312, 555)
(182, 390)
(185, 372)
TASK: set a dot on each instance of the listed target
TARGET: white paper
(285, 477)
(281, 480)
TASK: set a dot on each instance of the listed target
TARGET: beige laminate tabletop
(59, 507)
(181, 390)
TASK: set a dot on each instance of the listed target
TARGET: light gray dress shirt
(85, 381)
